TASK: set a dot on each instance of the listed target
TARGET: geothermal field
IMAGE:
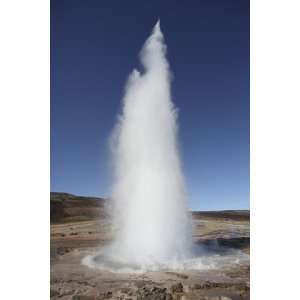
(81, 227)
(144, 243)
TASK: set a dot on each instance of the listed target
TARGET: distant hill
(66, 207)
(237, 215)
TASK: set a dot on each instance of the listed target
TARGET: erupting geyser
(149, 205)
(152, 228)
(148, 194)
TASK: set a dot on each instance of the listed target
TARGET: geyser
(152, 228)
(148, 195)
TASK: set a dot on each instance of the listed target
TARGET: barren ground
(79, 226)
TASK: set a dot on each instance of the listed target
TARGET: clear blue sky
(95, 45)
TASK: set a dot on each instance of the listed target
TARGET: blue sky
(95, 45)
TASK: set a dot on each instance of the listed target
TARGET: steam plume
(152, 227)
(149, 199)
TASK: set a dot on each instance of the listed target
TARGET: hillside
(66, 207)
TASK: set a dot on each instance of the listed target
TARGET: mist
(152, 228)
(148, 194)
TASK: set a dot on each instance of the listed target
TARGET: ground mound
(236, 215)
(66, 207)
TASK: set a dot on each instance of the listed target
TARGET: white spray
(149, 203)
(153, 228)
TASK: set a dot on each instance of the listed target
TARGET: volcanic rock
(53, 293)
(177, 288)
(153, 293)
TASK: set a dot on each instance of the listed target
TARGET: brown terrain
(80, 226)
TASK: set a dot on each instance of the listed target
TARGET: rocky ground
(80, 225)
